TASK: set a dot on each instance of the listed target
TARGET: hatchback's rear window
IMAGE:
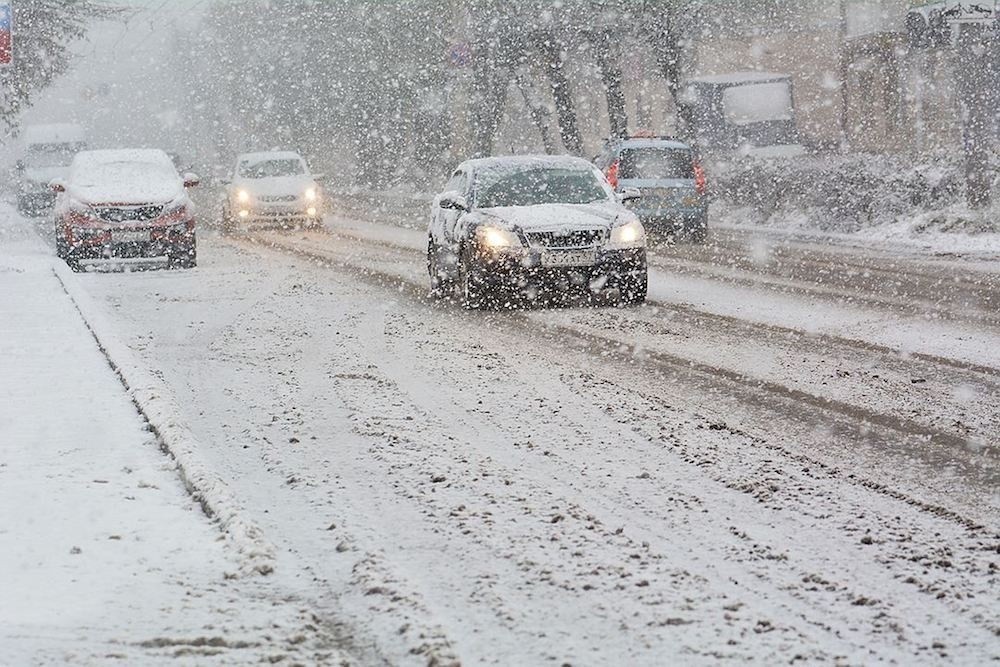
(656, 163)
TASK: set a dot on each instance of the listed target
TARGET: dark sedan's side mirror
(191, 180)
(630, 194)
(453, 201)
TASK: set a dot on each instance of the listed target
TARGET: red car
(125, 206)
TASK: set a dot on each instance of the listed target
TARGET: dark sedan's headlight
(497, 238)
(629, 235)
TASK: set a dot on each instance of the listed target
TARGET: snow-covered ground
(104, 557)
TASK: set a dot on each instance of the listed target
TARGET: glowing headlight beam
(492, 237)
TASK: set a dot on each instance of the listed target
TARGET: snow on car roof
(54, 133)
(736, 78)
(517, 162)
(87, 159)
(261, 156)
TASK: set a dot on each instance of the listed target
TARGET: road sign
(958, 11)
(460, 54)
(6, 34)
(980, 11)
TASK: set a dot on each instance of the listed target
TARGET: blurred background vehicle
(506, 227)
(673, 185)
(127, 204)
(47, 152)
(273, 187)
(750, 112)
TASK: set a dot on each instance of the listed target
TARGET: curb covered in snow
(157, 405)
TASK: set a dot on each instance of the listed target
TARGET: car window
(456, 183)
(271, 168)
(656, 163)
(529, 187)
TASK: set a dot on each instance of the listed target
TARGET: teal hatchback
(673, 185)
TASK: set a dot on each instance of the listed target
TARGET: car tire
(63, 253)
(473, 292)
(698, 235)
(441, 287)
(185, 259)
(228, 222)
(632, 290)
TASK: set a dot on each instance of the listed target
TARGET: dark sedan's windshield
(541, 186)
(271, 168)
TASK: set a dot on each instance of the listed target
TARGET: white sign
(969, 11)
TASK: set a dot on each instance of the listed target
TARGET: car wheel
(474, 292)
(63, 252)
(228, 222)
(632, 290)
(186, 258)
(698, 235)
(441, 287)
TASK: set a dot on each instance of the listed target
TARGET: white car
(124, 205)
(517, 224)
(274, 187)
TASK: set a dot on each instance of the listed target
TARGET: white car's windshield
(272, 168)
(543, 185)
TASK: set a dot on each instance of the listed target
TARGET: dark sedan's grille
(128, 213)
(581, 238)
(278, 198)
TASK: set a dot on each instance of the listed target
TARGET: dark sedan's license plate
(130, 236)
(569, 258)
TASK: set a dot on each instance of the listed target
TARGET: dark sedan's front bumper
(526, 270)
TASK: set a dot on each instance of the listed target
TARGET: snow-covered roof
(126, 176)
(262, 156)
(87, 159)
(518, 162)
(739, 78)
(54, 133)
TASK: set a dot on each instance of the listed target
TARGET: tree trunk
(976, 78)
(568, 128)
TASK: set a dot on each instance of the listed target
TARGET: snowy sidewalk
(103, 555)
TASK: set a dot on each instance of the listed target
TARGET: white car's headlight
(243, 196)
(630, 235)
(311, 194)
(497, 238)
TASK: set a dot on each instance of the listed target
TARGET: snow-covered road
(104, 557)
(733, 471)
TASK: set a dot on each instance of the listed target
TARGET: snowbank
(877, 197)
(160, 409)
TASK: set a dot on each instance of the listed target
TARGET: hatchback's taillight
(700, 182)
(612, 173)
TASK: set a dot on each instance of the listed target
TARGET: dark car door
(444, 219)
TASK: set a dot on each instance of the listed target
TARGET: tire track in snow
(807, 575)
